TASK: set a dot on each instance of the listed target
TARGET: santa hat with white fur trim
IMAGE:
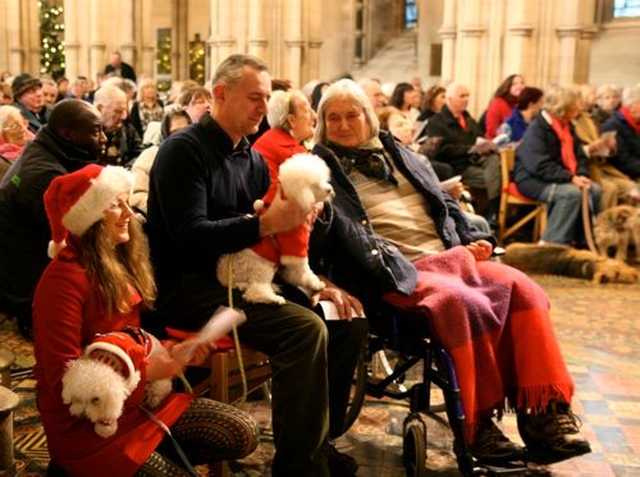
(76, 201)
(122, 352)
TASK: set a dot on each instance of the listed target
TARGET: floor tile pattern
(599, 331)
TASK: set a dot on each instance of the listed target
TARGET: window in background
(196, 59)
(410, 14)
(163, 59)
(626, 8)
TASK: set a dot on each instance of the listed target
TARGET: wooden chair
(511, 198)
(224, 381)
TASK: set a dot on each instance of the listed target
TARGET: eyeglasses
(15, 126)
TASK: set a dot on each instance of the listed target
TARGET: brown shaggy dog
(617, 227)
(567, 261)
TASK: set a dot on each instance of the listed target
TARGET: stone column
(72, 42)
(14, 26)
(293, 41)
(492, 67)
(584, 53)
(221, 43)
(147, 39)
(257, 40)
(448, 34)
(469, 49)
(568, 37)
(518, 48)
(314, 35)
(568, 33)
(97, 47)
(128, 45)
(179, 40)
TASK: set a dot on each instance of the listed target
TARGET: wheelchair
(408, 336)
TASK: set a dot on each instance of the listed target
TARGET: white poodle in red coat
(304, 179)
(97, 384)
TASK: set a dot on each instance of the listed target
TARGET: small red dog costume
(303, 179)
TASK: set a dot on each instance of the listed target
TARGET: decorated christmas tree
(52, 59)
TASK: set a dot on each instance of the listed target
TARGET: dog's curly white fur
(97, 391)
(304, 179)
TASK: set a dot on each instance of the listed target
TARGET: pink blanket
(494, 321)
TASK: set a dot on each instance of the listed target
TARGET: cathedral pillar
(127, 47)
(568, 33)
(293, 41)
(448, 34)
(221, 43)
(469, 48)
(568, 38)
(16, 47)
(314, 35)
(518, 47)
(257, 41)
(97, 46)
(72, 42)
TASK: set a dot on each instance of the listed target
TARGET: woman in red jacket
(292, 122)
(98, 281)
(501, 106)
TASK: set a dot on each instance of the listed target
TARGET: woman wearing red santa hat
(98, 281)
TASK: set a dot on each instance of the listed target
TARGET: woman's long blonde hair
(114, 271)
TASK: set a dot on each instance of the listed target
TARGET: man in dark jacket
(72, 138)
(124, 144)
(117, 67)
(464, 148)
(203, 184)
(27, 97)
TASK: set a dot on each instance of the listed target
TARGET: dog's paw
(262, 293)
(614, 271)
(156, 391)
(313, 283)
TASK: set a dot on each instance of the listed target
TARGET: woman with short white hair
(292, 122)
(14, 134)
(607, 101)
(390, 234)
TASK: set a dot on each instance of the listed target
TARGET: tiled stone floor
(599, 332)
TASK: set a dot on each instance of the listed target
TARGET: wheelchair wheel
(414, 446)
(358, 390)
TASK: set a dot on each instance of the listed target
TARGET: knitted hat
(122, 352)
(76, 201)
(23, 83)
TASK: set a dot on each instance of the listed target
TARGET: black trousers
(312, 361)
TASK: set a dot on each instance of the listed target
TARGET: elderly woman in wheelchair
(392, 233)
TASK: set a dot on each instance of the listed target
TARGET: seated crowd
(84, 169)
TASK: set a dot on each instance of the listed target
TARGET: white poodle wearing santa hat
(97, 384)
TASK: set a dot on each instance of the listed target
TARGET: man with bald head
(373, 88)
(71, 139)
(480, 167)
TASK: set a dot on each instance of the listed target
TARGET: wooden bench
(224, 381)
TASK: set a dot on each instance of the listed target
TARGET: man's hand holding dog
(282, 215)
